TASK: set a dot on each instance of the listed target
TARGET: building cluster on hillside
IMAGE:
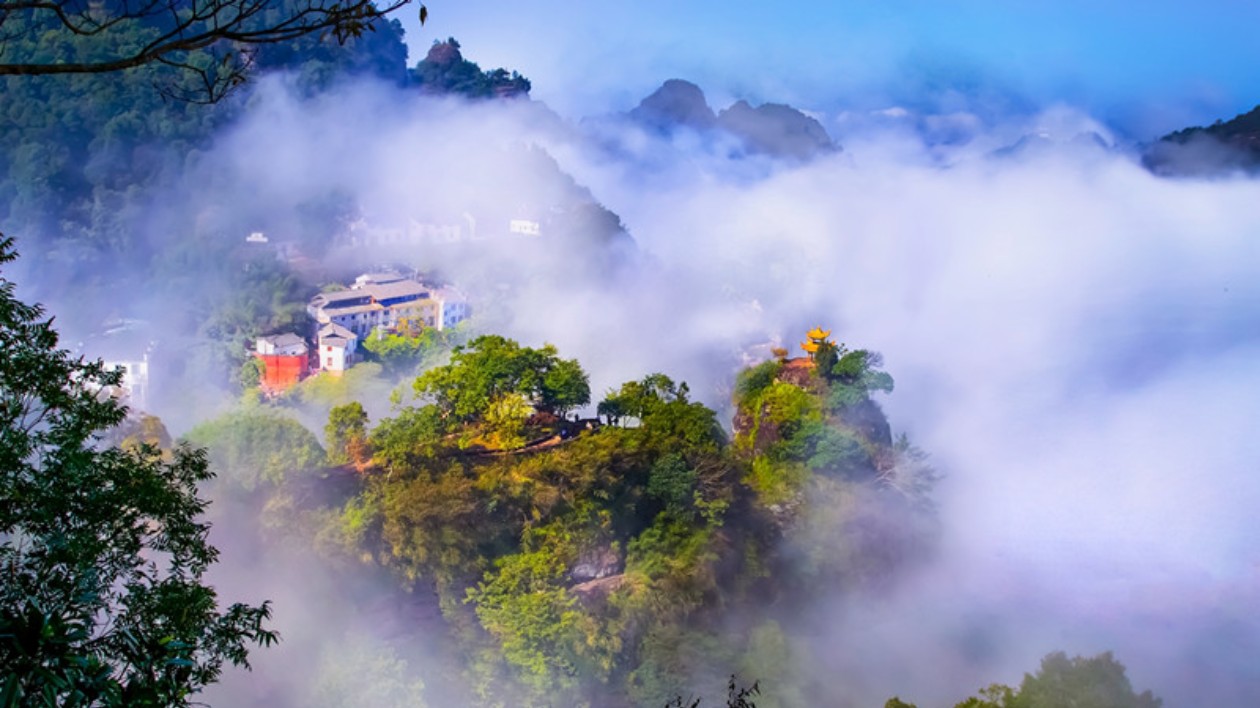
(376, 302)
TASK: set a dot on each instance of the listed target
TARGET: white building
(134, 386)
(453, 308)
(525, 227)
(337, 346)
(372, 304)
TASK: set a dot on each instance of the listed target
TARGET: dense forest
(110, 186)
(98, 170)
(617, 560)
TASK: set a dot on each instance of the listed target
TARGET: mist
(1075, 341)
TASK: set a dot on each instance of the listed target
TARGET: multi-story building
(385, 301)
(452, 308)
(336, 348)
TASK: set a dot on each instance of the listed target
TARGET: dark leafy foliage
(208, 44)
(490, 368)
(445, 70)
(102, 600)
(736, 697)
(1095, 682)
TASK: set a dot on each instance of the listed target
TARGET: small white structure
(525, 227)
(256, 237)
(453, 307)
(418, 232)
(134, 386)
(337, 346)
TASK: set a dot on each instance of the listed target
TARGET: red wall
(281, 372)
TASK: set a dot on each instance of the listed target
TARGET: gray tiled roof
(332, 329)
(385, 291)
(285, 339)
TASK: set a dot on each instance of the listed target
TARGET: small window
(329, 363)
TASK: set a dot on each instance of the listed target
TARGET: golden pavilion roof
(810, 346)
(818, 333)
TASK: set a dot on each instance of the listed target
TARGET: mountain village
(376, 303)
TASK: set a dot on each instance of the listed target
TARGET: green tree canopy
(1096, 682)
(664, 409)
(346, 433)
(89, 615)
(258, 445)
(403, 353)
(491, 367)
(445, 70)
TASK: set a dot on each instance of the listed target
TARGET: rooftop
(286, 339)
(332, 329)
(365, 295)
(402, 288)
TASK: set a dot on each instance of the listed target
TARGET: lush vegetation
(631, 559)
(103, 601)
(1096, 682)
(445, 70)
(404, 352)
(101, 175)
(591, 561)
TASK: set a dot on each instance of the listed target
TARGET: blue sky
(1144, 67)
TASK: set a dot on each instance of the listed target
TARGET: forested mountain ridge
(87, 162)
(1229, 146)
(128, 205)
(615, 561)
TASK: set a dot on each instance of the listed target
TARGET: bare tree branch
(172, 29)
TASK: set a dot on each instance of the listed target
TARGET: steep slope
(619, 561)
(1231, 146)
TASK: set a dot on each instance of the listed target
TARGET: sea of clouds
(1075, 342)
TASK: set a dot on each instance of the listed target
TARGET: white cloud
(1073, 339)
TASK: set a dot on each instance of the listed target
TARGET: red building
(286, 360)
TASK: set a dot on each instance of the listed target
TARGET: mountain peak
(676, 103)
(776, 129)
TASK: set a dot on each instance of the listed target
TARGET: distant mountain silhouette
(1084, 143)
(676, 103)
(776, 129)
(771, 129)
(1231, 146)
